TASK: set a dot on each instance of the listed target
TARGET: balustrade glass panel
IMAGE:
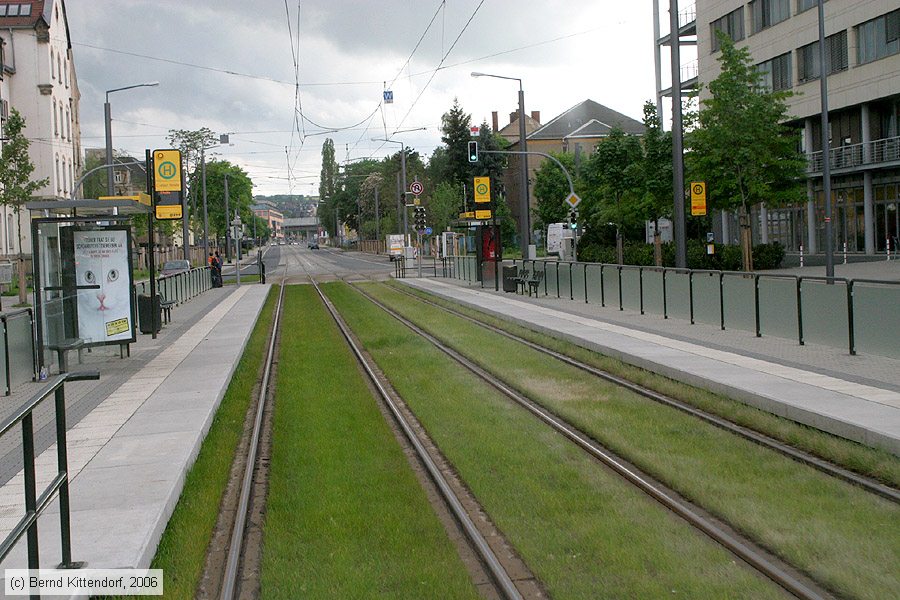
(706, 298)
(876, 320)
(825, 313)
(740, 311)
(678, 299)
(778, 307)
(653, 291)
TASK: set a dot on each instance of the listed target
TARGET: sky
(234, 66)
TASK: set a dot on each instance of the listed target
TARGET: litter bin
(509, 275)
(150, 319)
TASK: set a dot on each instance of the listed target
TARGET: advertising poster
(101, 259)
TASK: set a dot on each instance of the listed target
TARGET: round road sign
(416, 187)
(428, 231)
(698, 189)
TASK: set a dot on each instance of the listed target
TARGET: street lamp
(107, 115)
(401, 199)
(524, 208)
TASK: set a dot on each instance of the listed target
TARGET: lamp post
(402, 195)
(524, 208)
(107, 116)
(826, 149)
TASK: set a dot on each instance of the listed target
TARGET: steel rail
(829, 468)
(739, 547)
(235, 549)
(499, 574)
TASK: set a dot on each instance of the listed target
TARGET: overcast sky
(565, 51)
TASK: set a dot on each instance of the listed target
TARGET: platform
(855, 397)
(130, 453)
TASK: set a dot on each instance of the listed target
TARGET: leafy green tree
(505, 221)
(445, 205)
(655, 174)
(741, 147)
(455, 135)
(240, 195)
(551, 189)
(191, 143)
(16, 185)
(613, 172)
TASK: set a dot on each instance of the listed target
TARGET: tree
(455, 135)
(655, 174)
(741, 147)
(240, 195)
(16, 186)
(191, 143)
(445, 205)
(328, 174)
(551, 189)
(613, 170)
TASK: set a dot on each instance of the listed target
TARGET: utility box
(509, 279)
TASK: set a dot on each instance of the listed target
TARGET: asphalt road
(323, 264)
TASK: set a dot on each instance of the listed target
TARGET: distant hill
(291, 206)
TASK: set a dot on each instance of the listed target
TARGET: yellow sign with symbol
(167, 170)
(698, 198)
(482, 215)
(482, 189)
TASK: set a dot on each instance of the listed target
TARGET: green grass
(796, 511)
(873, 462)
(583, 531)
(346, 516)
(182, 550)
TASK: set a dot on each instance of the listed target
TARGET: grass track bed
(182, 549)
(838, 533)
(346, 517)
(583, 531)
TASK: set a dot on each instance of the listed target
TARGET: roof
(587, 119)
(35, 9)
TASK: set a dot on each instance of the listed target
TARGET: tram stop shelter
(83, 278)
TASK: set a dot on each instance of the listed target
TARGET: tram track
(867, 483)
(495, 566)
(788, 577)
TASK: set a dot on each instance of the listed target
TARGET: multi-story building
(863, 76)
(274, 218)
(39, 81)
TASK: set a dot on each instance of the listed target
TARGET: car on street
(174, 267)
(312, 244)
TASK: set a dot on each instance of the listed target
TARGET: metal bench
(62, 348)
(521, 279)
(534, 281)
(165, 306)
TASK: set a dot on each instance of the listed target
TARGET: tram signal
(473, 151)
(419, 219)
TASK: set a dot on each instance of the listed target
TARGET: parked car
(174, 267)
(312, 244)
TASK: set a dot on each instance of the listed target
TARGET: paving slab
(827, 395)
(130, 454)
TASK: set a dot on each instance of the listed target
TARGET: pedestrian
(217, 268)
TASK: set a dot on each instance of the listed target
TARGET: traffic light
(419, 219)
(473, 151)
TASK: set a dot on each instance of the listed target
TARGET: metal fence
(857, 314)
(36, 504)
(17, 341)
(179, 288)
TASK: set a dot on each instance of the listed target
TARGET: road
(324, 264)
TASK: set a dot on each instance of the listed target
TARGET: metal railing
(430, 267)
(17, 339)
(856, 155)
(181, 287)
(36, 504)
(850, 313)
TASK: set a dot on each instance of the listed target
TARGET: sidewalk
(856, 397)
(134, 435)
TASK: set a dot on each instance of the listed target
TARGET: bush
(725, 258)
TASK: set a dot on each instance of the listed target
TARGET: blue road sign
(388, 97)
(428, 230)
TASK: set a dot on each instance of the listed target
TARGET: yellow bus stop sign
(698, 198)
(167, 170)
(482, 189)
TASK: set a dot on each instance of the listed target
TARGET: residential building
(863, 69)
(577, 130)
(38, 80)
(129, 177)
(273, 217)
(302, 228)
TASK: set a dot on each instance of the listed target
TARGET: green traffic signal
(473, 151)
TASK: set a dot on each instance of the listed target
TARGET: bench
(534, 281)
(62, 347)
(521, 279)
(165, 307)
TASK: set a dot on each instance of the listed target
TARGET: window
(879, 37)
(766, 13)
(2, 10)
(62, 133)
(68, 126)
(775, 74)
(52, 65)
(58, 178)
(731, 25)
(55, 120)
(13, 10)
(25, 10)
(835, 57)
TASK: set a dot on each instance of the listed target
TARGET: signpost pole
(151, 260)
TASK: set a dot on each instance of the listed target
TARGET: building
(303, 228)
(577, 130)
(273, 217)
(863, 63)
(38, 80)
(129, 178)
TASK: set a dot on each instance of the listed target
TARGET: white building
(863, 62)
(38, 80)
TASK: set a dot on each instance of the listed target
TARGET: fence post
(756, 303)
(722, 300)
(851, 338)
(30, 489)
(557, 280)
(641, 288)
(585, 284)
(62, 465)
(799, 312)
(665, 305)
(571, 282)
(691, 294)
(619, 268)
(602, 291)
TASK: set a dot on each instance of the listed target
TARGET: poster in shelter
(104, 282)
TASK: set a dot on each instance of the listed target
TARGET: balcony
(875, 154)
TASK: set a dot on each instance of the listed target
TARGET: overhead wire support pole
(677, 139)
(826, 150)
